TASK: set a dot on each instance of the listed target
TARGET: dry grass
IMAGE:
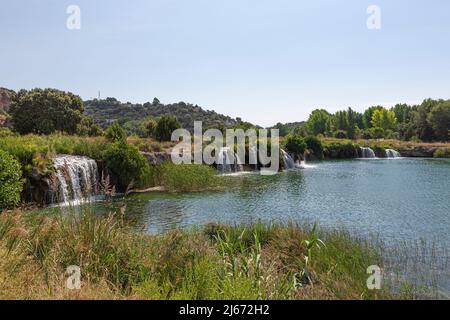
(215, 262)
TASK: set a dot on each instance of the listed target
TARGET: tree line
(428, 121)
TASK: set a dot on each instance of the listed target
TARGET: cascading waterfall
(289, 163)
(367, 153)
(392, 154)
(77, 178)
(228, 162)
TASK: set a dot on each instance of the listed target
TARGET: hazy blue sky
(265, 61)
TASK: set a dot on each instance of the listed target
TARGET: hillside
(109, 110)
(5, 99)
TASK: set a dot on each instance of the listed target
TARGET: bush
(344, 150)
(45, 111)
(115, 133)
(186, 177)
(295, 145)
(340, 134)
(442, 153)
(165, 126)
(380, 151)
(313, 143)
(127, 163)
(11, 183)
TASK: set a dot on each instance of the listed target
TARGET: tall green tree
(384, 119)
(44, 111)
(319, 122)
(165, 126)
(439, 119)
(367, 116)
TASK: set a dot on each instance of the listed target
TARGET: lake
(404, 202)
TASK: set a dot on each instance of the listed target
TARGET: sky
(264, 61)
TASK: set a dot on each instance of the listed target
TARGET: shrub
(45, 111)
(115, 133)
(344, 150)
(380, 151)
(11, 183)
(340, 134)
(313, 143)
(127, 163)
(295, 145)
(442, 153)
(185, 177)
(165, 126)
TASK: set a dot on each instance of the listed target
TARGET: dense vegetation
(133, 116)
(257, 261)
(10, 181)
(429, 121)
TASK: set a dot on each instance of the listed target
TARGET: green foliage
(45, 111)
(184, 177)
(368, 115)
(439, 119)
(150, 127)
(87, 128)
(340, 150)
(11, 182)
(295, 145)
(383, 118)
(104, 111)
(165, 126)
(127, 163)
(319, 122)
(115, 133)
(442, 153)
(313, 143)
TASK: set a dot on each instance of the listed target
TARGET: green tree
(127, 163)
(319, 122)
(44, 111)
(87, 127)
(420, 121)
(295, 145)
(384, 119)
(150, 126)
(165, 126)
(367, 116)
(11, 182)
(439, 119)
(115, 133)
(402, 112)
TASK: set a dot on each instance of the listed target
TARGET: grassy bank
(214, 262)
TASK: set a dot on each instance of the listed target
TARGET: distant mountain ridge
(109, 110)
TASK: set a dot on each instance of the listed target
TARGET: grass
(24, 148)
(184, 177)
(257, 261)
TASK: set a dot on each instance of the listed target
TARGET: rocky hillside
(109, 110)
(5, 99)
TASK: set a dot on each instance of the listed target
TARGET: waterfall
(367, 153)
(228, 162)
(289, 163)
(76, 177)
(391, 153)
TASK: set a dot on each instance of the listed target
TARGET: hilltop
(109, 110)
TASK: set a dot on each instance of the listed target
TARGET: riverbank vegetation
(258, 261)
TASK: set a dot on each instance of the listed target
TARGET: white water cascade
(228, 162)
(367, 153)
(77, 178)
(392, 154)
(289, 163)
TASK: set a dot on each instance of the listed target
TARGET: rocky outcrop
(155, 158)
(418, 152)
(6, 96)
